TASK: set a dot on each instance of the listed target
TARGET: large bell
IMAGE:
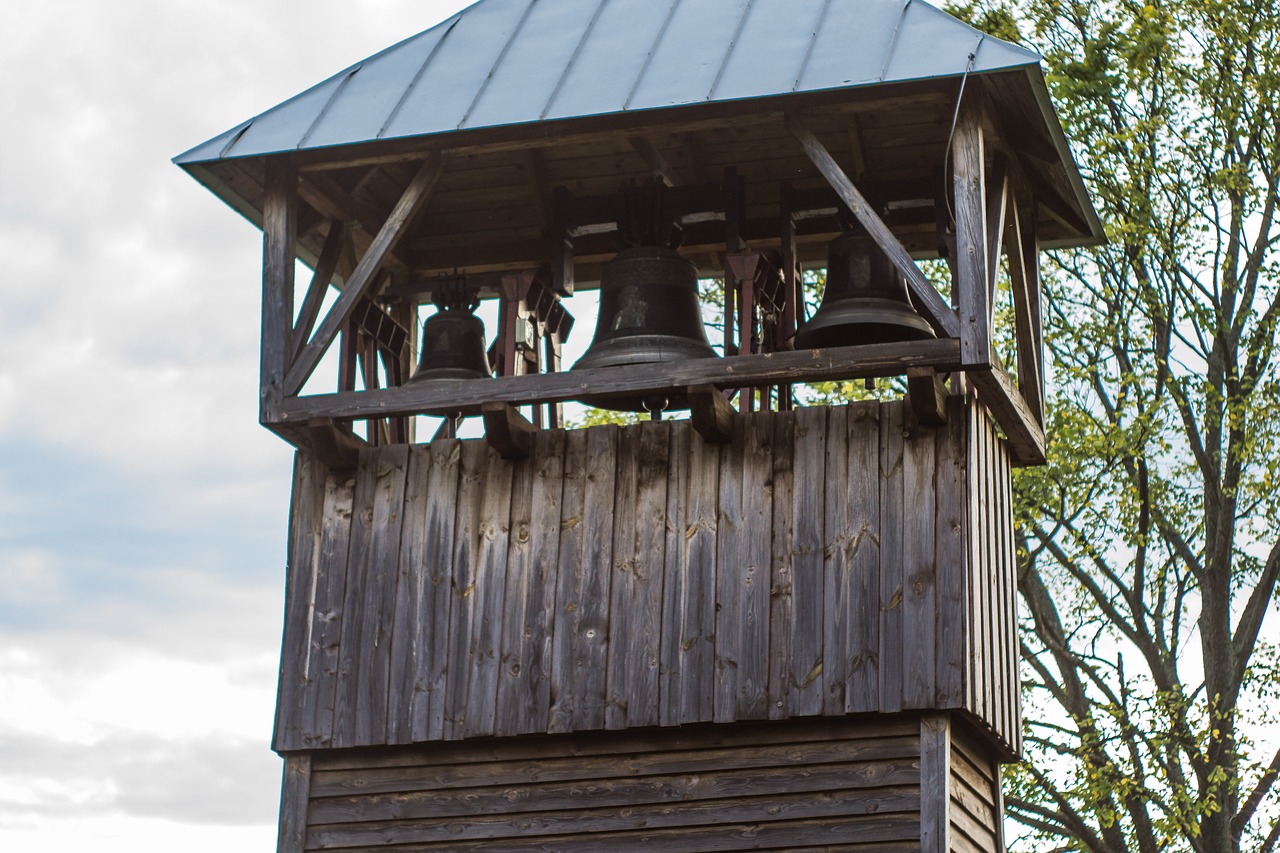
(649, 314)
(453, 341)
(865, 300)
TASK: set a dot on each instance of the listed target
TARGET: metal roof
(505, 62)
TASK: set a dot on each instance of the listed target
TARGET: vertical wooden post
(279, 252)
(791, 283)
(968, 160)
(295, 796)
(1024, 272)
(935, 783)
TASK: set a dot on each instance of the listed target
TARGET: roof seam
(893, 40)
(493, 69)
(653, 48)
(733, 42)
(413, 84)
(324, 111)
(573, 58)
(808, 54)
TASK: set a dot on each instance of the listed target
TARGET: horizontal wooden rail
(743, 371)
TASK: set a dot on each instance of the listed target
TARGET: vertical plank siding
(825, 561)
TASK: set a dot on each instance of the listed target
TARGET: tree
(1148, 545)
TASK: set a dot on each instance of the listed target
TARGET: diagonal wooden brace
(927, 300)
(365, 275)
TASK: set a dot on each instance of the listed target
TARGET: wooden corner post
(279, 252)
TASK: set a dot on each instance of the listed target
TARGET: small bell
(453, 338)
(865, 300)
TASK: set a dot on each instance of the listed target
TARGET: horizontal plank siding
(824, 561)
(783, 786)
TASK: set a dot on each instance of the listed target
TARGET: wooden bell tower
(767, 627)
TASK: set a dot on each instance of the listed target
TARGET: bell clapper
(654, 406)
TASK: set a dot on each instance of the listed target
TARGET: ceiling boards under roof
(503, 62)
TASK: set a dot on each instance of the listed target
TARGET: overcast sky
(142, 509)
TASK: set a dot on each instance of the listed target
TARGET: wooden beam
(328, 197)
(657, 163)
(279, 254)
(1024, 275)
(365, 274)
(746, 371)
(935, 783)
(997, 215)
(295, 799)
(334, 445)
(928, 396)
(971, 237)
(711, 414)
(927, 299)
(326, 267)
(507, 431)
(1024, 436)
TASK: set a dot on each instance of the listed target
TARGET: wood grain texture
(302, 576)
(823, 562)
(295, 798)
(796, 785)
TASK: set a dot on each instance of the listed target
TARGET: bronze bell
(453, 338)
(649, 314)
(865, 300)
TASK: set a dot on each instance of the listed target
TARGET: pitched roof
(504, 62)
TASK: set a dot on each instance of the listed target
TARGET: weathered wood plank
(412, 590)
(378, 596)
(621, 570)
(757, 514)
(569, 585)
(295, 793)
(837, 548)
(968, 185)
(755, 370)
(465, 570)
(731, 562)
(935, 782)
(302, 577)
(432, 620)
(806, 562)
(649, 570)
(279, 254)
(721, 817)
(674, 579)
(892, 531)
(697, 587)
(891, 736)
(788, 835)
(862, 692)
(949, 557)
(328, 614)
(781, 613)
(919, 570)
(896, 779)
(524, 698)
(591, 645)
(351, 654)
(486, 619)
(515, 601)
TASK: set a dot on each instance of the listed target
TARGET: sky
(143, 510)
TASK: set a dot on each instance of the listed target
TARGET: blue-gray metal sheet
(502, 62)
